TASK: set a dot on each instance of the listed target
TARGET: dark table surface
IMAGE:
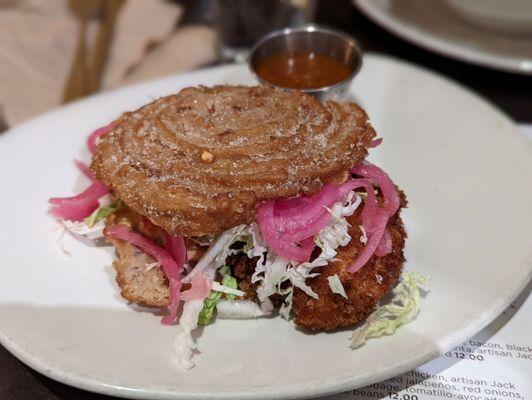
(511, 93)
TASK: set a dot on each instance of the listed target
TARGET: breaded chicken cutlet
(364, 288)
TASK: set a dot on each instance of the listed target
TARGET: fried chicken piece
(198, 162)
(364, 288)
(138, 282)
(242, 269)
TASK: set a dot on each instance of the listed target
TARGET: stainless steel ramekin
(311, 38)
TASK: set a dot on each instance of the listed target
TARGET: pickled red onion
(299, 252)
(78, 207)
(298, 210)
(315, 225)
(380, 241)
(370, 203)
(311, 229)
(385, 245)
(85, 170)
(171, 268)
(375, 143)
(306, 215)
(379, 226)
(289, 225)
(380, 178)
(91, 141)
(175, 245)
(199, 289)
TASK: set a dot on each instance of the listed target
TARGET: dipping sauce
(302, 70)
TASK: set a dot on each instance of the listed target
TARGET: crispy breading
(138, 282)
(199, 161)
(364, 288)
(242, 269)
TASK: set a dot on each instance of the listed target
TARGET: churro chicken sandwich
(246, 202)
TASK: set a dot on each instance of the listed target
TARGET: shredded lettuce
(218, 251)
(217, 287)
(239, 234)
(100, 214)
(274, 275)
(224, 270)
(231, 282)
(201, 312)
(286, 307)
(336, 285)
(82, 230)
(184, 343)
(240, 309)
(298, 275)
(60, 241)
(209, 304)
(336, 235)
(259, 249)
(402, 309)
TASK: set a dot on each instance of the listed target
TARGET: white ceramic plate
(466, 170)
(434, 26)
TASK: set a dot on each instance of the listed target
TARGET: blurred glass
(240, 23)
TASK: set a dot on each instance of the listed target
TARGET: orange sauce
(302, 70)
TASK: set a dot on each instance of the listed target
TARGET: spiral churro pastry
(199, 161)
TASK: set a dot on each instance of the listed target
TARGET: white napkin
(38, 40)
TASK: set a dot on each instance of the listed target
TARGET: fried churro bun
(199, 161)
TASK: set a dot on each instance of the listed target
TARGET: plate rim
(310, 389)
(442, 47)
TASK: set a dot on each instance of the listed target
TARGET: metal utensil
(311, 38)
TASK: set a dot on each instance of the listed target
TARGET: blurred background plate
(459, 31)
(464, 166)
